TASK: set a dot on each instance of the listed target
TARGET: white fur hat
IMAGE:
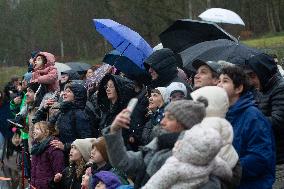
(218, 101)
(176, 86)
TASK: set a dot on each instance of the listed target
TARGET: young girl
(71, 177)
(46, 160)
(100, 162)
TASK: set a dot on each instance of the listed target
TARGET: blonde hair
(46, 128)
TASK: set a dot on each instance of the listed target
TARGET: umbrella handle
(121, 53)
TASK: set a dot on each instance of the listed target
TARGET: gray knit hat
(188, 112)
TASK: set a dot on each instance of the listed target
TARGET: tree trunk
(190, 9)
(208, 4)
(270, 16)
(61, 48)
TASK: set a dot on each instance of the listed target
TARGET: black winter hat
(264, 66)
(161, 59)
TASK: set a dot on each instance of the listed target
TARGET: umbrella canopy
(185, 33)
(125, 65)
(219, 15)
(79, 67)
(221, 49)
(61, 67)
(128, 42)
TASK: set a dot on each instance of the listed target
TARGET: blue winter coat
(254, 142)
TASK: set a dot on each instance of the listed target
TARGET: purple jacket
(45, 165)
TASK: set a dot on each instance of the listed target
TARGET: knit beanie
(163, 92)
(218, 101)
(176, 87)
(199, 146)
(100, 145)
(187, 112)
(108, 178)
(84, 146)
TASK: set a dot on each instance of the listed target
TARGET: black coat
(69, 180)
(270, 100)
(271, 103)
(125, 89)
(71, 120)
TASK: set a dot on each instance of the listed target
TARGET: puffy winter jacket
(48, 75)
(254, 142)
(270, 100)
(45, 165)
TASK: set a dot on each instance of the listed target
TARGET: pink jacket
(48, 75)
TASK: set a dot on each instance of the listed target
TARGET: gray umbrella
(79, 67)
(221, 49)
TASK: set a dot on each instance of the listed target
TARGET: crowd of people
(222, 127)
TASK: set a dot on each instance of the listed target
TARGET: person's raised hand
(57, 177)
(122, 120)
(17, 100)
(57, 144)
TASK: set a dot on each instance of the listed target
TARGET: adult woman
(113, 96)
(71, 121)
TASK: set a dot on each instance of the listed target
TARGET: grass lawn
(269, 43)
(7, 72)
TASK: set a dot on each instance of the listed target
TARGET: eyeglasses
(109, 86)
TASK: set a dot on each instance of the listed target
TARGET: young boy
(253, 138)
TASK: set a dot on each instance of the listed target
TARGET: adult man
(253, 138)
(140, 166)
(206, 73)
(264, 76)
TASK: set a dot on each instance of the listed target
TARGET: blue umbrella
(128, 42)
(124, 64)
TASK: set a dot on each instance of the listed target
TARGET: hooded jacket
(70, 120)
(164, 63)
(48, 75)
(218, 105)
(125, 91)
(254, 142)
(271, 98)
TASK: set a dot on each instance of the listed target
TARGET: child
(71, 177)
(100, 162)
(44, 71)
(193, 160)
(106, 180)
(46, 160)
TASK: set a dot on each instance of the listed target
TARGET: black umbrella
(79, 67)
(221, 49)
(185, 33)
